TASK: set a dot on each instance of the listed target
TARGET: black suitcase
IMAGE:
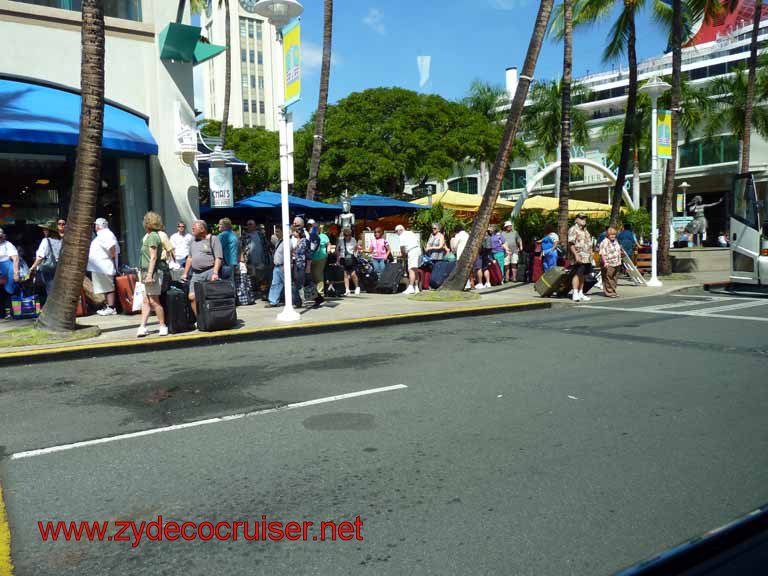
(522, 267)
(390, 277)
(440, 271)
(215, 305)
(178, 311)
(334, 274)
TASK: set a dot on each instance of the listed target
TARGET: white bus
(748, 235)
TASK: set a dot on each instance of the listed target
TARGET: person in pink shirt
(379, 250)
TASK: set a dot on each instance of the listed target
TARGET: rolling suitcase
(522, 268)
(390, 277)
(334, 274)
(125, 285)
(537, 269)
(426, 276)
(215, 305)
(440, 271)
(553, 281)
(495, 273)
(178, 311)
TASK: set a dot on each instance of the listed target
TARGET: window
(251, 55)
(261, 82)
(243, 26)
(253, 81)
(245, 105)
(258, 31)
(464, 185)
(254, 106)
(261, 57)
(250, 28)
(261, 107)
(702, 152)
(124, 9)
(243, 55)
(514, 178)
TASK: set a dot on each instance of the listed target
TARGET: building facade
(149, 104)
(254, 47)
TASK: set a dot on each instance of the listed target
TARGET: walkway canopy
(38, 114)
(467, 204)
(373, 207)
(550, 203)
(296, 204)
(269, 204)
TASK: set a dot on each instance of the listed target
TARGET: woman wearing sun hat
(47, 254)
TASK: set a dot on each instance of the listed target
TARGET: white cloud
(375, 21)
(312, 57)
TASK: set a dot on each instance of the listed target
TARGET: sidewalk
(118, 333)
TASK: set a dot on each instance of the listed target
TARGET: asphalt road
(566, 441)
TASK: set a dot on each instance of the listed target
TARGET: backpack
(314, 241)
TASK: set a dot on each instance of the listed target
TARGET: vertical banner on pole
(664, 134)
(221, 189)
(292, 62)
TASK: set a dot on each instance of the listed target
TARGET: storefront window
(463, 185)
(124, 9)
(514, 179)
(704, 152)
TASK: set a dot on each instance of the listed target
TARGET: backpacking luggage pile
(216, 308)
(440, 271)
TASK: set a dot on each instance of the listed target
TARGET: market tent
(550, 203)
(468, 204)
(296, 204)
(372, 207)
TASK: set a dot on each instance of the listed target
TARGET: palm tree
(751, 85)
(730, 100)
(565, 125)
(227, 72)
(542, 119)
(322, 105)
(59, 312)
(458, 277)
(485, 98)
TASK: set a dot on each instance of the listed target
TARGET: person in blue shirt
(230, 246)
(549, 248)
(628, 240)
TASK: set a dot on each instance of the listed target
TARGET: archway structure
(554, 166)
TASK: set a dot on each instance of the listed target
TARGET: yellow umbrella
(550, 203)
(461, 202)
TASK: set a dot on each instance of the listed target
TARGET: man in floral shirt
(610, 260)
(580, 250)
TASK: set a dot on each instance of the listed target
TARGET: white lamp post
(279, 13)
(654, 88)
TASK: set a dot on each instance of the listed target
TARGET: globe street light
(278, 13)
(654, 88)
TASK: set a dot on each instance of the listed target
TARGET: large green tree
(458, 277)
(379, 139)
(730, 97)
(58, 315)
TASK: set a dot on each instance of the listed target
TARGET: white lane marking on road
(715, 297)
(672, 305)
(198, 423)
(728, 307)
(676, 313)
(572, 397)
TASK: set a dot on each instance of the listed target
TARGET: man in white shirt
(181, 240)
(410, 246)
(102, 264)
(9, 271)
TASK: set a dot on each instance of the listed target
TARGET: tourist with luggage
(514, 245)
(436, 247)
(580, 249)
(379, 250)
(9, 272)
(610, 261)
(410, 248)
(102, 264)
(153, 267)
(181, 240)
(48, 253)
(498, 248)
(549, 248)
(347, 251)
(205, 259)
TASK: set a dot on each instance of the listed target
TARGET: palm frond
(618, 37)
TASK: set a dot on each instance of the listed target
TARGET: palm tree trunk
(59, 312)
(458, 277)
(227, 74)
(565, 120)
(629, 118)
(322, 105)
(665, 264)
(750, 87)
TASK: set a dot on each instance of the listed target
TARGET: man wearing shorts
(580, 248)
(102, 264)
(514, 246)
(205, 259)
(410, 247)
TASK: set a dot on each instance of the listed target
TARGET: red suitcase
(125, 286)
(495, 273)
(537, 270)
(425, 277)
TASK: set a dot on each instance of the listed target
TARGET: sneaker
(585, 298)
(468, 286)
(416, 290)
(141, 332)
(163, 331)
(409, 290)
(347, 293)
(106, 311)
(577, 298)
(357, 290)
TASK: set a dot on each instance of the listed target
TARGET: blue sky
(376, 43)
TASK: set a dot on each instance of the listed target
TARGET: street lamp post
(654, 88)
(279, 13)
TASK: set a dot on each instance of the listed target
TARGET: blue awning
(45, 115)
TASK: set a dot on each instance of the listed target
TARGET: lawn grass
(31, 336)
(444, 296)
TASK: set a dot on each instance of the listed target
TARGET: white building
(149, 105)
(254, 46)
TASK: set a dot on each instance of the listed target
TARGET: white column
(288, 313)
(289, 116)
(654, 281)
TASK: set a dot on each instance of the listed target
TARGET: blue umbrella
(371, 206)
(295, 203)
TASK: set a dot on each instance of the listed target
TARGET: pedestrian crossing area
(726, 307)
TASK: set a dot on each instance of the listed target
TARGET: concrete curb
(6, 567)
(242, 335)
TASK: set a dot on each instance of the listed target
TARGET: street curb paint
(243, 335)
(6, 567)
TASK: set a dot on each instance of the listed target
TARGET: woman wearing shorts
(152, 273)
(346, 249)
